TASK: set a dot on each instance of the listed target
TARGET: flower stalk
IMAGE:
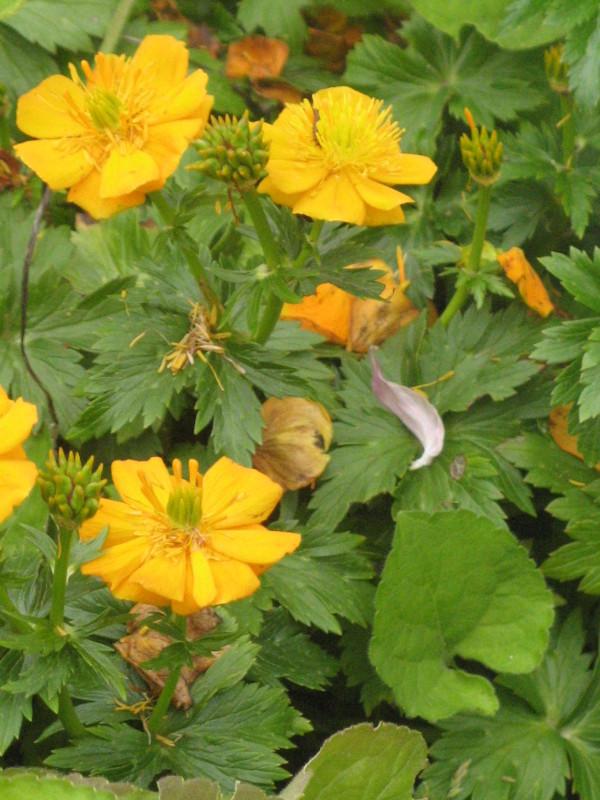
(117, 25)
(270, 250)
(461, 294)
(168, 690)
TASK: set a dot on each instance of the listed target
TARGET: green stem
(270, 250)
(68, 717)
(461, 294)
(4, 133)
(308, 248)
(165, 697)
(568, 127)
(117, 25)
(262, 228)
(59, 584)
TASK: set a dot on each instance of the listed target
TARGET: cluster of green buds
(71, 491)
(233, 151)
(557, 71)
(481, 152)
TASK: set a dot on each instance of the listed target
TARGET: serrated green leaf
(21, 784)
(435, 73)
(579, 274)
(172, 787)
(62, 23)
(362, 762)
(325, 578)
(22, 65)
(521, 753)
(282, 22)
(454, 585)
(232, 436)
(287, 652)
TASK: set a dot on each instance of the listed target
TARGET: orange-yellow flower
(186, 543)
(117, 137)
(17, 474)
(532, 290)
(338, 158)
(350, 321)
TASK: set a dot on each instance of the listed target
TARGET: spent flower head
(186, 543)
(481, 152)
(336, 158)
(71, 490)
(117, 136)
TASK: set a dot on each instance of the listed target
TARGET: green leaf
(22, 65)
(435, 73)
(454, 585)
(324, 578)
(22, 784)
(288, 652)
(279, 21)
(62, 23)
(232, 436)
(488, 17)
(362, 762)
(579, 274)
(524, 751)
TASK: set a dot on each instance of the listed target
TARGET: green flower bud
(233, 151)
(557, 71)
(70, 490)
(481, 153)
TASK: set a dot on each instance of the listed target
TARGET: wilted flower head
(532, 290)
(413, 410)
(351, 321)
(17, 474)
(120, 135)
(338, 157)
(296, 437)
(186, 543)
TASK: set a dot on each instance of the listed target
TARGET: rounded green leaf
(456, 585)
(362, 763)
(23, 784)
(487, 18)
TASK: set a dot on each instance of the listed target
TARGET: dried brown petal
(256, 57)
(296, 437)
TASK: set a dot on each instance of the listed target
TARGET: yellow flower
(186, 543)
(122, 134)
(338, 158)
(530, 286)
(17, 474)
(351, 321)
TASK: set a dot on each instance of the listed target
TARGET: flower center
(184, 506)
(353, 131)
(104, 108)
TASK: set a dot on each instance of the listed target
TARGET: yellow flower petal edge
(117, 136)
(338, 157)
(186, 542)
(17, 473)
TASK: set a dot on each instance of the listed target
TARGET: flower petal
(375, 216)
(377, 194)
(46, 112)
(415, 411)
(234, 495)
(123, 173)
(86, 194)
(185, 101)
(16, 423)
(326, 312)
(17, 479)
(254, 544)
(130, 477)
(116, 564)
(233, 580)
(165, 58)
(411, 169)
(52, 161)
(203, 589)
(335, 199)
(162, 575)
(296, 176)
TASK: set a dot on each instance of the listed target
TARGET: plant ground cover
(319, 286)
